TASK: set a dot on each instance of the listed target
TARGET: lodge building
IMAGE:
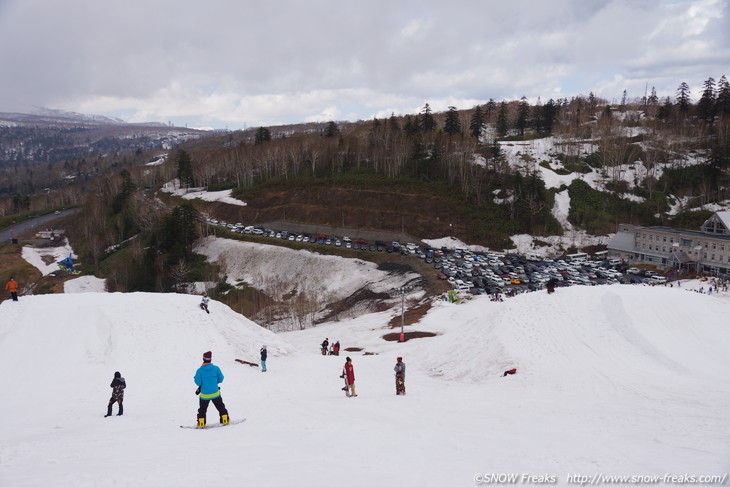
(705, 251)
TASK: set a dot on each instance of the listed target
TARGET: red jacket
(350, 373)
(12, 286)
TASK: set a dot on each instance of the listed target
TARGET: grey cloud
(358, 57)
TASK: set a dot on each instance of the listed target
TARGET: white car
(633, 270)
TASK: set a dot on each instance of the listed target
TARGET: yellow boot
(201, 422)
(224, 419)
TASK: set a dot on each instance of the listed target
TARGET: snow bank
(46, 259)
(200, 193)
(85, 284)
(279, 270)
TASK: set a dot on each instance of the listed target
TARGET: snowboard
(346, 389)
(246, 363)
(213, 425)
(400, 384)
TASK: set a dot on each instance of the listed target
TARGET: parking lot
(480, 272)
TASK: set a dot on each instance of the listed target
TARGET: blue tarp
(68, 261)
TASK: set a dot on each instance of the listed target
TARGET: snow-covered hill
(621, 380)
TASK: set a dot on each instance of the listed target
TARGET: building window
(686, 242)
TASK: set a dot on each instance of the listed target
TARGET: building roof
(623, 241)
(724, 217)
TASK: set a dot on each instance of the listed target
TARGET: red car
(441, 275)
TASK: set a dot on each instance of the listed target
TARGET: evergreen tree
(184, 169)
(477, 123)
(262, 135)
(180, 230)
(539, 115)
(683, 97)
(490, 108)
(653, 98)
(551, 114)
(393, 122)
(622, 107)
(523, 111)
(331, 129)
(452, 125)
(707, 104)
(410, 126)
(428, 124)
(665, 111)
(723, 96)
(502, 119)
(592, 103)
(125, 191)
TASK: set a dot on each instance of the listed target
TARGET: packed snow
(46, 259)
(200, 193)
(85, 284)
(610, 380)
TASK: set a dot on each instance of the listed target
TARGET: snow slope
(200, 193)
(611, 380)
(46, 259)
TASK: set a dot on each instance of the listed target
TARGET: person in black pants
(118, 385)
(207, 378)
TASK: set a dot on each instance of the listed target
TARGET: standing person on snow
(400, 377)
(204, 303)
(348, 373)
(337, 347)
(325, 346)
(263, 358)
(118, 385)
(207, 378)
(12, 287)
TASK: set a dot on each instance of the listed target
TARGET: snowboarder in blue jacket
(207, 378)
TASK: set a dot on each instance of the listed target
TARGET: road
(33, 223)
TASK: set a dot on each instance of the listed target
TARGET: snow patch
(200, 193)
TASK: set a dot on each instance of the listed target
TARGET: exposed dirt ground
(392, 214)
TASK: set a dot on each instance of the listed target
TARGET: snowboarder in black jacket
(118, 385)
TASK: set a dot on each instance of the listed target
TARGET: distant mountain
(53, 136)
(44, 116)
(74, 116)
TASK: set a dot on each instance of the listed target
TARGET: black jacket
(118, 385)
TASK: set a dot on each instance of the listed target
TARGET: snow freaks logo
(514, 478)
(600, 479)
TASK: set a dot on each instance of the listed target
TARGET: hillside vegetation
(482, 174)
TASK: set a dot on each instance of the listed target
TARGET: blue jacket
(208, 377)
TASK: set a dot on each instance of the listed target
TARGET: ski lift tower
(402, 292)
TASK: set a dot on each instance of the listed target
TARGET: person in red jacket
(349, 375)
(12, 286)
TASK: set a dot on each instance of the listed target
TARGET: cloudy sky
(242, 63)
